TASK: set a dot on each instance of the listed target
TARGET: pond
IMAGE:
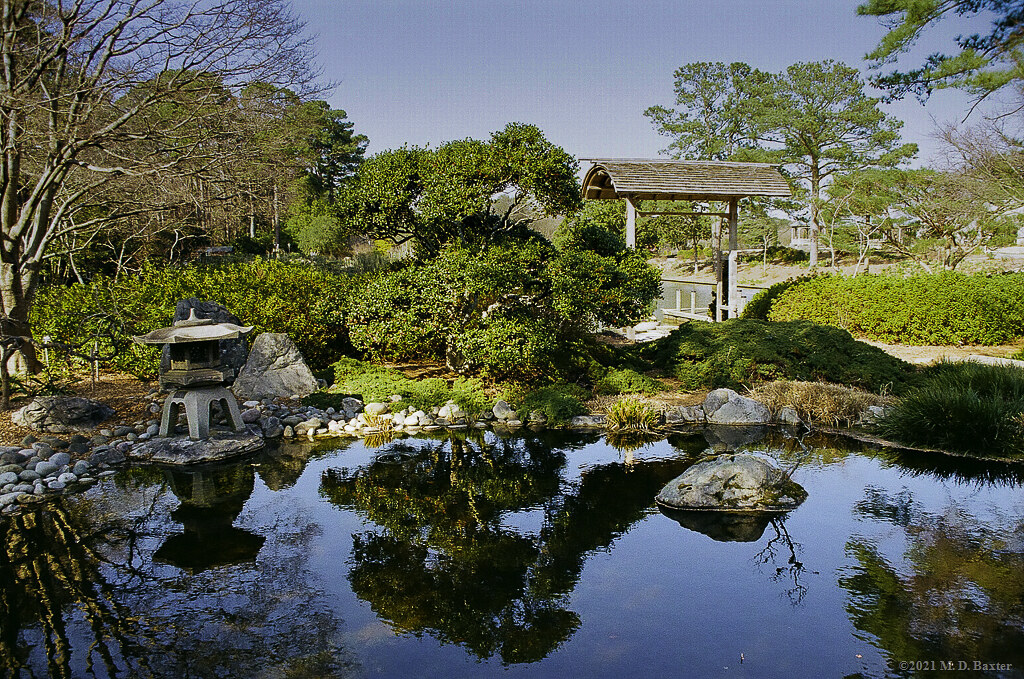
(534, 556)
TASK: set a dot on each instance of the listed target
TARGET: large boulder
(735, 483)
(181, 450)
(725, 406)
(275, 369)
(233, 352)
(62, 414)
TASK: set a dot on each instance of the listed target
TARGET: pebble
(60, 459)
(45, 468)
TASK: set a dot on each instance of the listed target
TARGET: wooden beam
(733, 223)
(641, 213)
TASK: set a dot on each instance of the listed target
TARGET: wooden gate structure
(702, 181)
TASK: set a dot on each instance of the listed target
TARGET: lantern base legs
(198, 404)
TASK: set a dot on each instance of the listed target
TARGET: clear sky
(429, 71)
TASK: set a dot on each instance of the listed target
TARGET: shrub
(831, 404)
(631, 414)
(944, 308)
(377, 383)
(761, 304)
(740, 353)
(627, 381)
(302, 301)
(963, 407)
(507, 311)
(558, 402)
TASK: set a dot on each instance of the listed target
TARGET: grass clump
(627, 381)
(558, 402)
(631, 414)
(963, 407)
(376, 383)
(818, 402)
(740, 353)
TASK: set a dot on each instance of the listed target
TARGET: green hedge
(944, 308)
(741, 352)
(305, 302)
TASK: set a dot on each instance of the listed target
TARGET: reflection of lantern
(195, 368)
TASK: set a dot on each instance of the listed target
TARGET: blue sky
(425, 72)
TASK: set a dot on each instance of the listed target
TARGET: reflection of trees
(958, 468)
(80, 594)
(781, 544)
(963, 595)
(447, 561)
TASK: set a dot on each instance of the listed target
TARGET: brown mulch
(126, 394)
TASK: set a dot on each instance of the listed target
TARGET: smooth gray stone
(8, 477)
(45, 468)
(60, 459)
(733, 482)
(29, 475)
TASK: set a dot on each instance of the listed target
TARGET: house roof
(642, 179)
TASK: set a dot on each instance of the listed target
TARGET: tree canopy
(436, 196)
(85, 90)
(984, 62)
(815, 119)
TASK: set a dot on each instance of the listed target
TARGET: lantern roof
(193, 329)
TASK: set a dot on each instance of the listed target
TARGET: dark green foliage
(742, 352)
(376, 383)
(944, 308)
(302, 301)
(627, 381)
(761, 304)
(558, 402)
(964, 407)
(515, 311)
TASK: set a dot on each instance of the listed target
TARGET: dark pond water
(539, 556)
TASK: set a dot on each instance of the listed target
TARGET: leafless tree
(87, 89)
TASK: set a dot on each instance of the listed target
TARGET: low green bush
(305, 302)
(963, 407)
(761, 304)
(558, 402)
(943, 308)
(376, 383)
(627, 381)
(742, 352)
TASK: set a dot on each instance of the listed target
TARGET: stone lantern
(195, 376)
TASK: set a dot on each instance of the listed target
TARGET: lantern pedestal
(197, 403)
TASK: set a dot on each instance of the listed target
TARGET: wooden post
(679, 300)
(630, 223)
(693, 302)
(733, 223)
(734, 293)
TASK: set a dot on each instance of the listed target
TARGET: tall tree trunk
(815, 189)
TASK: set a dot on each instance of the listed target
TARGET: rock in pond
(181, 450)
(725, 406)
(733, 483)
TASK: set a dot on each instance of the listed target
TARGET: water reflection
(448, 559)
(722, 526)
(211, 500)
(83, 591)
(957, 592)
